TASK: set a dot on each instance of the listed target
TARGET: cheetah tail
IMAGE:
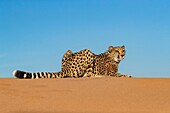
(26, 75)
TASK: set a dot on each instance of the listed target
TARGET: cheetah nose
(130, 76)
(123, 56)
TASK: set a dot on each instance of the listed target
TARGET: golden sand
(85, 95)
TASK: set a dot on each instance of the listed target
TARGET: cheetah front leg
(121, 75)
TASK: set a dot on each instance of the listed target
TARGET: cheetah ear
(110, 48)
(123, 47)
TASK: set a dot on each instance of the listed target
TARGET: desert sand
(85, 95)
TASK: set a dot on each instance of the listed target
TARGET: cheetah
(84, 64)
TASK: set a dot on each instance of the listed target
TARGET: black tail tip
(19, 74)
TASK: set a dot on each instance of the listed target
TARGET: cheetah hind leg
(88, 73)
(121, 75)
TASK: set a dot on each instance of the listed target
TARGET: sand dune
(85, 95)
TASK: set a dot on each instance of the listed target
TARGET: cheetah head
(117, 53)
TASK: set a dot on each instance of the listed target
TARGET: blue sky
(34, 34)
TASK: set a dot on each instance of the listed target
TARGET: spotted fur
(84, 64)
